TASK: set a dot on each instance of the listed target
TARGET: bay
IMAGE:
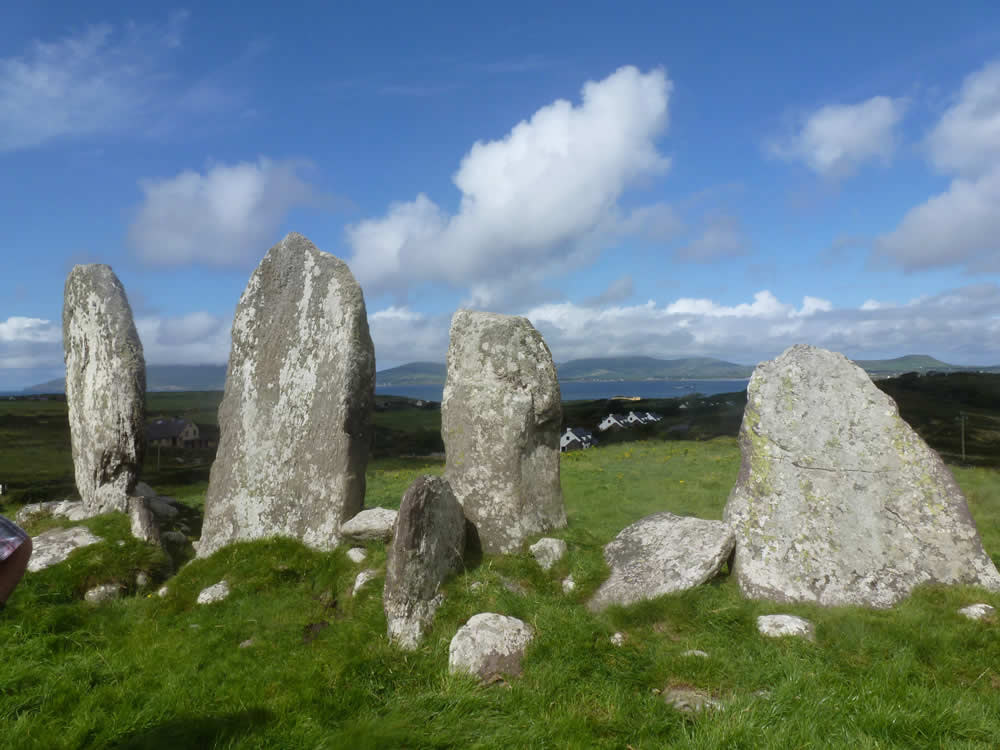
(587, 390)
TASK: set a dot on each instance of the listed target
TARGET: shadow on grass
(196, 731)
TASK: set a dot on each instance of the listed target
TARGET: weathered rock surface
(838, 500)
(548, 551)
(295, 420)
(500, 419)
(103, 593)
(369, 574)
(370, 525)
(489, 645)
(214, 593)
(978, 611)
(357, 554)
(690, 700)
(660, 554)
(427, 548)
(55, 545)
(141, 520)
(73, 510)
(105, 387)
(780, 626)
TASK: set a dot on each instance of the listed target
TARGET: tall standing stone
(295, 420)
(838, 500)
(427, 548)
(105, 387)
(500, 419)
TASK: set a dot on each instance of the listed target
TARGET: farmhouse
(574, 439)
(175, 432)
(613, 421)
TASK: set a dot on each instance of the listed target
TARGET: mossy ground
(151, 672)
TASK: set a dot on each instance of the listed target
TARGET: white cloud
(960, 226)
(17, 329)
(230, 215)
(836, 140)
(402, 335)
(29, 342)
(721, 237)
(542, 199)
(193, 339)
(98, 80)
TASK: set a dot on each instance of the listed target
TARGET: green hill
(650, 368)
(909, 363)
(414, 373)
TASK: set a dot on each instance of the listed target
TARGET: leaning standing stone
(295, 420)
(105, 387)
(838, 500)
(500, 420)
(427, 548)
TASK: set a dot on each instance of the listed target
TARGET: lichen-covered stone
(427, 548)
(500, 419)
(105, 387)
(371, 524)
(490, 645)
(104, 592)
(55, 545)
(838, 500)
(295, 420)
(214, 593)
(783, 626)
(548, 551)
(142, 521)
(661, 554)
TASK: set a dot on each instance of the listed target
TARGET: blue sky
(721, 179)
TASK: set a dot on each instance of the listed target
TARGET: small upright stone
(490, 645)
(500, 420)
(295, 420)
(427, 548)
(548, 551)
(839, 501)
(105, 387)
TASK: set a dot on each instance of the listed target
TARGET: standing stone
(428, 547)
(295, 420)
(838, 500)
(105, 387)
(500, 420)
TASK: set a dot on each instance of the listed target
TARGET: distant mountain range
(213, 377)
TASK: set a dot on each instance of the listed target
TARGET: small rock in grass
(778, 626)
(162, 591)
(247, 643)
(489, 645)
(357, 554)
(689, 700)
(372, 524)
(55, 545)
(618, 639)
(548, 551)
(214, 593)
(514, 587)
(475, 585)
(695, 652)
(977, 611)
(363, 577)
(103, 593)
(120, 542)
(568, 584)
(141, 579)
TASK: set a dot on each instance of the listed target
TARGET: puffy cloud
(229, 215)
(401, 335)
(960, 226)
(542, 199)
(721, 237)
(836, 140)
(94, 81)
(193, 339)
(29, 343)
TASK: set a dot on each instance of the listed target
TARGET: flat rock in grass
(357, 554)
(214, 593)
(780, 626)
(568, 584)
(370, 525)
(105, 387)
(427, 548)
(55, 545)
(295, 420)
(695, 652)
(661, 554)
(501, 414)
(977, 611)
(689, 700)
(839, 501)
(103, 593)
(489, 645)
(548, 551)
(362, 578)
(73, 510)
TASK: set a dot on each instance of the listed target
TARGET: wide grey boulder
(489, 646)
(838, 500)
(500, 418)
(427, 548)
(105, 387)
(371, 524)
(661, 554)
(55, 545)
(295, 419)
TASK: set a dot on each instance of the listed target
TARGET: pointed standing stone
(500, 419)
(427, 548)
(838, 500)
(295, 421)
(105, 387)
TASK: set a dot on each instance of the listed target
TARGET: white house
(652, 416)
(634, 418)
(613, 421)
(575, 439)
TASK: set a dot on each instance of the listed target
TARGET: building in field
(176, 432)
(574, 439)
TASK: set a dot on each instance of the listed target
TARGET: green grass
(146, 672)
